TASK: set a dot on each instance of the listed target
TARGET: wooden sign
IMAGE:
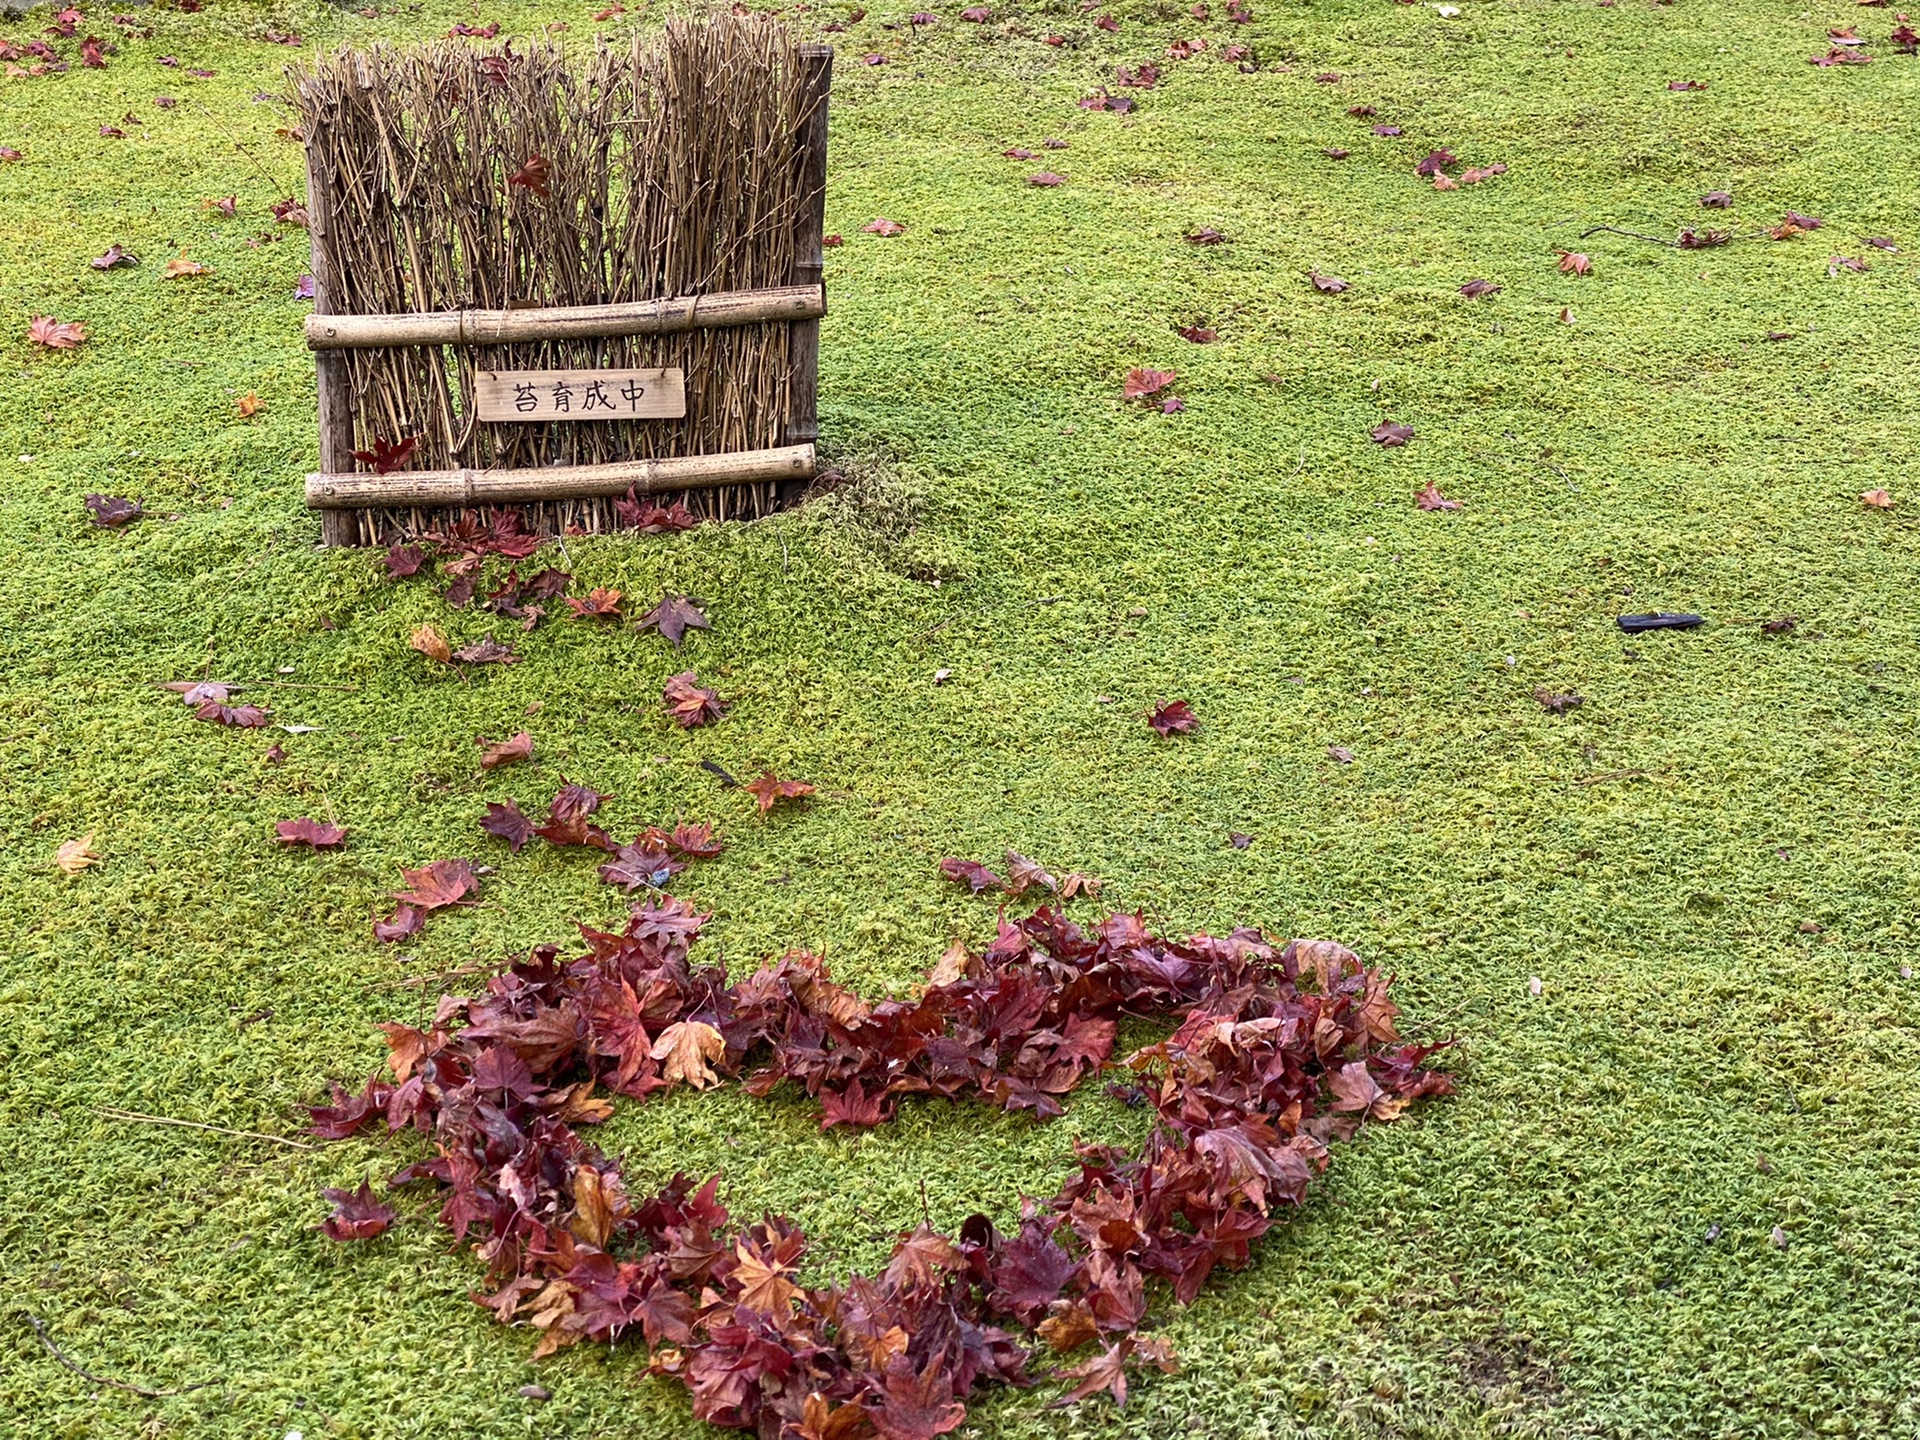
(500, 395)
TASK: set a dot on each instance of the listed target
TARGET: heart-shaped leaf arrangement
(1280, 1049)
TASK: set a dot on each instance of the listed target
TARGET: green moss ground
(1527, 1259)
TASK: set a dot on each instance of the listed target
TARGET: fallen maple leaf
(1691, 239)
(1018, 154)
(54, 334)
(1174, 717)
(977, 14)
(1474, 289)
(1801, 222)
(1074, 883)
(1046, 179)
(1391, 434)
(304, 288)
(1558, 704)
(73, 856)
(1430, 498)
(437, 885)
(533, 175)
(7, 152)
(1436, 161)
(1328, 284)
(289, 211)
(884, 227)
(1686, 84)
(306, 831)
(1837, 263)
(1206, 235)
(767, 790)
(249, 405)
(686, 1047)
(1572, 262)
(673, 617)
(110, 512)
(432, 644)
(114, 257)
(1883, 242)
(387, 456)
(1878, 499)
(356, 1215)
(181, 266)
(402, 561)
(1023, 874)
(226, 205)
(487, 651)
(969, 873)
(1443, 181)
(1141, 384)
(689, 704)
(495, 753)
(696, 842)
(1197, 334)
(1387, 130)
(640, 864)
(505, 820)
(600, 604)
(1717, 200)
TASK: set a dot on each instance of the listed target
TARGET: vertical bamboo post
(810, 220)
(337, 527)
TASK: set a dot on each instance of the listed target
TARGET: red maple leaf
(1143, 384)
(884, 227)
(673, 617)
(401, 561)
(970, 873)
(305, 831)
(636, 865)
(599, 604)
(768, 791)
(689, 704)
(567, 816)
(696, 842)
(852, 1107)
(504, 819)
(1391, 434)
(437, 885)
(356, 1214)
(533, 175)
(1430, 498)
(495, 753)
(387, 456)
(1175, 717)
(110, 512)
(54, 334)
(1474, 289)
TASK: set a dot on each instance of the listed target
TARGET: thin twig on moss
(113, 1112)
(40, 1329)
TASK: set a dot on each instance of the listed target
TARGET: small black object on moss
(1634, 624)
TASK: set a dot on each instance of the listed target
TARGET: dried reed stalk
(672, 169)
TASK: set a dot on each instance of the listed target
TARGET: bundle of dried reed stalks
(677, 166)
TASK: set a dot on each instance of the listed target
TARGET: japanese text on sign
(529, 395)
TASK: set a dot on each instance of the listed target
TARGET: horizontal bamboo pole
(571, 322)
(557, 482)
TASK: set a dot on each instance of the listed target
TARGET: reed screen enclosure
(565, 279)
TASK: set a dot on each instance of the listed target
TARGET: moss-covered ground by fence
(1582, 1243)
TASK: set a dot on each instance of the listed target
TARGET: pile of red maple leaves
(1278, 1050)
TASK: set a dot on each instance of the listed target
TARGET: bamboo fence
(688, 165)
